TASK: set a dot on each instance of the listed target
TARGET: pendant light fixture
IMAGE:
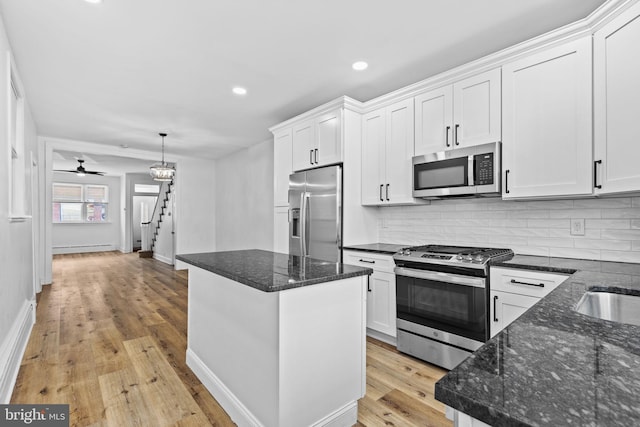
(162, 171)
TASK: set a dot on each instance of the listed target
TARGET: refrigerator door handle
(304, 238)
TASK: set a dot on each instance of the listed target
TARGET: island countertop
(271, 271)
(552, 365)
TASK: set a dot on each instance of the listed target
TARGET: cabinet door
(282, 160)
(373, 162)
(547, 138)
(433, 121)
(381, 303)
(329, 139)
(617, 104)
(303, 141)
(477, 109)
(507, 307)
(281, 229)
(398, 153)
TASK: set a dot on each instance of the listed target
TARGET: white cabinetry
(281, 166)
(318, 141)
(381, 292)
(514, 291)
(617, 104)
(281, 229)
(462, 114)
(387, 149)
(547, 134)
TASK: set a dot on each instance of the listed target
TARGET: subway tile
(549, 223)
(633, 213)
(620, 234)
(618, 224)
(512, 205)
(574, 253)
(507, 240)
(613, 245)
(550, 204)
(607, 203)
(621, 256)
(519, 223)
(526, 214)
(635, 245)
(635, 223)
(575, 213)
(490, 214)
(550, 242)
(530, 250)
(635, 202)
(566, 233)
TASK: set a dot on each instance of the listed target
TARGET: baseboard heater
(104, 245)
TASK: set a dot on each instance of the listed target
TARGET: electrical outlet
(577, 227)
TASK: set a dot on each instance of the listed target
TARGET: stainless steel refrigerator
(315, 220)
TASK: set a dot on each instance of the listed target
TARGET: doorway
(142, 212)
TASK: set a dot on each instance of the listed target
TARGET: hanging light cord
(163, 135)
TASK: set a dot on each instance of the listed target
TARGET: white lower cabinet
(381, 290)
(514, 291)
(281, 229)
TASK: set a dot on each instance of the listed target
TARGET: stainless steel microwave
(468, 171)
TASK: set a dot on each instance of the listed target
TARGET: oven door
(447, 302)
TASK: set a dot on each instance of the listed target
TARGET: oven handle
(458, 279)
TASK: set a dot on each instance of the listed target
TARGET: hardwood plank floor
(110, 340)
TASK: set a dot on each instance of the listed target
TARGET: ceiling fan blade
(65, 170)
(95, 173)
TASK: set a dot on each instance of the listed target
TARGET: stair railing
(156, 217)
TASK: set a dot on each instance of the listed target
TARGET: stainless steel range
(442, 300)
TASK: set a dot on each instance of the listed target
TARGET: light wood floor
(110, 341)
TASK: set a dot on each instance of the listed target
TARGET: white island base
(279, 359)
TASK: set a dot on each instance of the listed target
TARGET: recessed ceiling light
(93, 1)
(239, 90)
(359, 65)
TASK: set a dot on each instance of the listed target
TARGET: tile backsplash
(611, 226)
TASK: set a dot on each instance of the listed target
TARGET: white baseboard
(80, 249)
(382, 337)
(229, 402)
(162, 258)
(346, 416)
(13, 347)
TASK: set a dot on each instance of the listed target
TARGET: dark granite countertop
(380, 248)
(554, 366)
(270, 271)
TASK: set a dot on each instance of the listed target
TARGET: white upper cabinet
(617, 104)
(282, 168)
(547, 125)
(434, 118)
(318, 142)
(387, 149)
(462, 114)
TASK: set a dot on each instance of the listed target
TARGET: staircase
(159, 213)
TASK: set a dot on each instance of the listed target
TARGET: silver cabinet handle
(517, 282)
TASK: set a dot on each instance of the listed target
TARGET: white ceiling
(122, 71)
(109, 164)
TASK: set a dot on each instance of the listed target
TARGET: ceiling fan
(80, 170)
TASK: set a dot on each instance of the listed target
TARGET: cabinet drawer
(524, 282)
(377, 262)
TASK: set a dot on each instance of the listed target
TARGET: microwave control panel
(483, 173)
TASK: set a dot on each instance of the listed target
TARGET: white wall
(244, 199)
(195, 207)
(89, 237)
(612, 226)
(17, 287)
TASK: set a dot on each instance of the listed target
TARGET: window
(146, 188)
(80, 203)
(17, 158)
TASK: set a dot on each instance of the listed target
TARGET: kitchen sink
(612, 306)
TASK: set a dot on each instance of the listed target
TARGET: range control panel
(483, 168)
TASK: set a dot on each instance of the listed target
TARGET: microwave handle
(470, 170)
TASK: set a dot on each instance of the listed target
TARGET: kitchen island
(278, 340)
(554, 366)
